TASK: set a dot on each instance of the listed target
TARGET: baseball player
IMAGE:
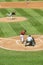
(27, 1)
(22, 35)
(11, 15)
(30, 41)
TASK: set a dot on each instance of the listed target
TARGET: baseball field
(17, 0)
(12, 52)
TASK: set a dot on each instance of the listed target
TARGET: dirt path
(14, 43)
(12, 19)
(21, 4)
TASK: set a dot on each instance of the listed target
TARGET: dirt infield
(29, 4)
(12, 19)
(14, 43)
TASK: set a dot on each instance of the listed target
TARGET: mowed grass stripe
(39, 11)
(10, 9)
(29, 28)
(29, 17)
(22, 12)
(4, 12)
(8, 0)
(1, 33)
(25, 58)
(25, 14)
(35, 22)
(2, 0)
(7, 30)
(16, 27)
(38, 18)
(21, 0)
(1, 15)
(36, 15)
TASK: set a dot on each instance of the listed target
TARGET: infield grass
(33, 24)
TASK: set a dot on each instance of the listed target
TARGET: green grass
(33, 24)
(20, 58)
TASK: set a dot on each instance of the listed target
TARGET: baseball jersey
(22, 33)
(29, 38)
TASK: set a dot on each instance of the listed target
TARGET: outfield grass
(20, 58)
(33, 24)
(17, 0)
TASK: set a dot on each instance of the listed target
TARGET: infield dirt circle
(14, 43)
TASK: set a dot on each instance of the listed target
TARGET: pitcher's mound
(12, 19)
(14, 43)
